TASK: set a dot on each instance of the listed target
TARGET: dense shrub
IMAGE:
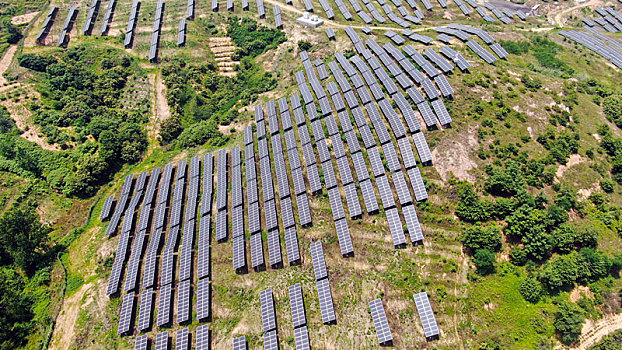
(568, 322)
(484, 259)
(36, 62)
(478, 237)
(530, 289)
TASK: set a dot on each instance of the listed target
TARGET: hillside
(192, 172)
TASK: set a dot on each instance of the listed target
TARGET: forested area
(25, 269)
(520, 209)
(81, 110)
(200, 99)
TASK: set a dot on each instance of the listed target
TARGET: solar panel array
(90, 17)
(155, 35)
(426, 314)
(380, 322)
(107, 17)
(64, 35)
(47, 24)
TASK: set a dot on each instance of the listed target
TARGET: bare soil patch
(25, 18)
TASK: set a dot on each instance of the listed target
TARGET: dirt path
(65, 323)
(559, 16)
(5, 62)
(160, 110)
(592, 333)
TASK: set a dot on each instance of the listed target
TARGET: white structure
(310, 21)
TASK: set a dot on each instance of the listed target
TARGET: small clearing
(5, 62)
(223, 48)
(451, 156)
(23, 19)
(574, 159)
(21, 115)
(66, 321)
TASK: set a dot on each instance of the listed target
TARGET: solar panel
(337, 145)
(167, 267)
(428, 320)
(266, 179)
(239, 343)
(390, 156)
(380, 322)
(326, 301)
(425, 156)
(164, 305)
(314, 179)
(257, 258)
(183, 302)
(344, 170)
(203, 259)
(252, 193)
(208, 170)
(304, 212)
(368, 139)
(287, 213)
(441, 112)
(203, 337)
(297, 305)
(335, 203)
(221, 226)
(318, 130)
(142, 342)
(376, 162)
(203, 299)
(127, 310)
(353, 142)
(182, 339)
(403, 192)
(395, 227)
(270, 339)
(291, 245)
(412, 223)
(386, 195)
(146, 304)
(105, 213)
(299, 183)
(162, 341)
(268, 313)
(319, 261)
(274, 248)
(352, 199)
(417, 182)
(344, 237)
(239, 253)
(329, 174)
(271, 215)
(301, 337)
(406, 150)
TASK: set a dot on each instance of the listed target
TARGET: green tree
(15, 309)
(484, 259)
(23, 237)
(568, 322)
(530, 289)
(612, 107)
(171, 128)
(478, 237)
(531, 226)
(560, 272)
